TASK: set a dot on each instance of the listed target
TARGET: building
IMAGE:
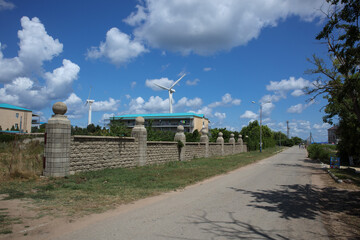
(17, 117)
(332, 135)
(167, 121)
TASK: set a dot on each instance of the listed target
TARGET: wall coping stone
(89, 137)
(195, 143)
(161, 142)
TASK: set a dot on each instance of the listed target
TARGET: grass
(347, 174)
(97, 191)
(6, 221)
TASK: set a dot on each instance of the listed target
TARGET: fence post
(232, 141)
(140, 134)
(205, 139)
(180, 136)
(241, 143)
(57, 147)
(220, 140)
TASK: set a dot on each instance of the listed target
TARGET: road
(271, 199)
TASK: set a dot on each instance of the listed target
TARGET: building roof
(8, 106)
(159, 116)
(333, 128)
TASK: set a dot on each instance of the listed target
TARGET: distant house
(15, 117)
(167, 121)
(332, 135)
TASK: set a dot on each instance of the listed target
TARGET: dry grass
(20, 160)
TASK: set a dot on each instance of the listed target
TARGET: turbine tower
(89, 102)
(171, 91)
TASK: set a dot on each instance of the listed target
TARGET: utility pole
(288, 129)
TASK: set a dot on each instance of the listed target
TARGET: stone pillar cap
(220, 134)
(139, 121)
(180, 128)
(232, 135)
(59, 108)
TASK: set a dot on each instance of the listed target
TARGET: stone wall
(214, 149)
(89, 153)
(194, 150)
(162, 152)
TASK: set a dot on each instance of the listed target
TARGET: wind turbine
(171, 91)
(88, 101)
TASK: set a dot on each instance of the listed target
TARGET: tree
(340, 83)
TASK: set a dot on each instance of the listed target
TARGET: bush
(321, 152)
(7, 137)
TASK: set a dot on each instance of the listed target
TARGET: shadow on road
(305, 201)
(233, 228)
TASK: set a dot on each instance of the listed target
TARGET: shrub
(321, 152)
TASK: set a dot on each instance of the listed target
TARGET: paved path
(272, 199)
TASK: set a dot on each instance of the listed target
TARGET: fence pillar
(140, 134)
(241, 143)
(205, 139)
(232, 141)
(220, 140)
(180, 136)
(57, 143)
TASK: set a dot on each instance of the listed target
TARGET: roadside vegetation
(322, 152)
(97, 191)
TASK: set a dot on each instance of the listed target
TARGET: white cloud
(110, 105)
(105, 118)
(225, 100)
(153, 105)
(287, 85)
(5, 5)
(133, 84)
(207, 69)
(118, 48)
(193, 103)
(162, 81)
(77, 108)
(192, 83)
(207, 111)
(249, 114)
(36, 46)
(25, 92)
(205, 27)
(321, 126)
(297, 93)
(220, 116)
(299, 108)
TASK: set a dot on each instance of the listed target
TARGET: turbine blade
(177, 81)
(165, 88)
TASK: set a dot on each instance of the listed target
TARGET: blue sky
(233, 52)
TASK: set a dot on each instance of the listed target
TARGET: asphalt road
(272, 199)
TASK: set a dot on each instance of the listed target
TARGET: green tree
(193, 137)
(340, 83)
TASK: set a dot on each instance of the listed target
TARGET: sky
(232, 52)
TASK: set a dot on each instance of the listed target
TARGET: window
(16, 126)
(17, 115)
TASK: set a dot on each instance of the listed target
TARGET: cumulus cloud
(77, 108)
(36, 46)
(225, 100)
(185, 102)
(153, 105)
(288, 84)
(297, 93)
(133, 84)
(321, 126)
(249, 114)
(205, 27)
(118, 48)
(207, 69)
(220, 116)
(25, 92)
(193, 83)
(5, 5)
(207, 111)
(299, 108)
(162, 81)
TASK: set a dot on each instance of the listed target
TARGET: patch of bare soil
(340, 206)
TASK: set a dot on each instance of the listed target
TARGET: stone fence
(66, 154)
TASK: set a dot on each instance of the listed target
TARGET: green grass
(98, 191)
(5, 222)
(347, 174)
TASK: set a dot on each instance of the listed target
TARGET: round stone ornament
(59, 108)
